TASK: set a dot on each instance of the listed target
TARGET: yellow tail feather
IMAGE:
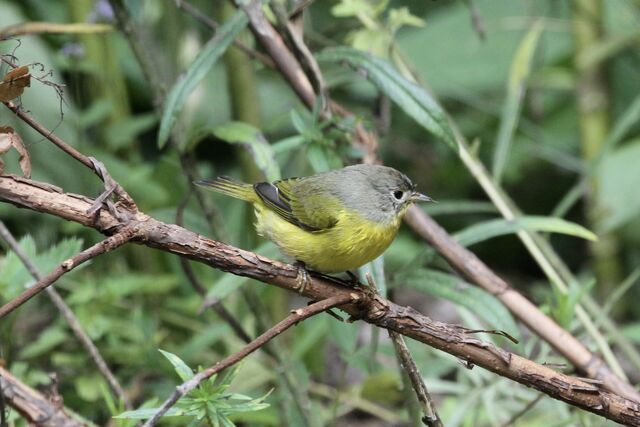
(230, 187)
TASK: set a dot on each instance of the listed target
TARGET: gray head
(378, 193)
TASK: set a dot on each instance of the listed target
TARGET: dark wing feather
(280, 198)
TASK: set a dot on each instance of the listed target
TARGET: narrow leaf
(182, 369)
(253, 140)
(454, 289)
(520, 69)
(209, 55)
(499, 227)
(630, 117)
(146, 413)
(412, 98)
(618, 196)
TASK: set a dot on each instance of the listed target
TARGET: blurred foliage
(508, 81)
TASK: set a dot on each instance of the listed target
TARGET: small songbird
(331, 222)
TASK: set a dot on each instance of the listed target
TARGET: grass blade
(499, 227)
(516, 88)
(412, 98)
(209, 55)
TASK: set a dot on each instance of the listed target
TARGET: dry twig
(407, 363)
(293, 319)
(34, 407)
(69, 316)
(110, 243)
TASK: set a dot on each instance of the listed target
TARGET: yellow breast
(351, 243)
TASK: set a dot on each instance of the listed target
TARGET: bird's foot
(354, 280)
(302, 279)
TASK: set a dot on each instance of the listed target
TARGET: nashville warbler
(331, 222)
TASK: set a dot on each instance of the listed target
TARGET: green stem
(593, 106)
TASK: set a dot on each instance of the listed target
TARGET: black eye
(398, 194)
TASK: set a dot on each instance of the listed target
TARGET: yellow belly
(351, 243)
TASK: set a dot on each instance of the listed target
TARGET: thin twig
(88, 345)
(272, 42)
(430, 417)
(69, 316)
(213, 25)
(85, 160)
(295, 317)
(523, 411)
(200, 289)
(407, 363)
(476, 20)
(294, 388)
(108, 244)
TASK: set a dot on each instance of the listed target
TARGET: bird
(331, 222)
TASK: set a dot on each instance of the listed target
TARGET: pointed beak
(419, 197)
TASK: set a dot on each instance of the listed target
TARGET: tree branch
(69, 316)
(85, 160)
(108, 244)
(372, 309)
(34, 407)
(293, 319)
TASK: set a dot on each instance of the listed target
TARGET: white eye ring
(398, 194)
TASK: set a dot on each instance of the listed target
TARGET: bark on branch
(373, 309)
(33, 406)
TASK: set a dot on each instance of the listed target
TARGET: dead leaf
(14, 82)
(9, 138)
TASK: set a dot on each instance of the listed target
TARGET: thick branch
(375, 310)
(34, 407)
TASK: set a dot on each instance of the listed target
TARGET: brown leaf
(9, 138)
(16, 73)
(14, 82)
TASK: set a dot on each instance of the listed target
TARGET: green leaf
(454, 289)
(498, 227)
(412, 98)
(146, 413)
(628, 119)
(618, 196)
(252, 139)
(458, 207)
(49, 339)
(182, 369)
(520, 69)
(209, 55)
(15, 275)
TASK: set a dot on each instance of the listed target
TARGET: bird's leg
(353, 278)
(302, 279)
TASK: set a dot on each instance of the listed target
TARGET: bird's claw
(302, 279)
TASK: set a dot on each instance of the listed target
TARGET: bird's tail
(230, 187)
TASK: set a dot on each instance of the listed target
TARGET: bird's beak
(419, 197)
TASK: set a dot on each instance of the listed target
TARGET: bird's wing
(309, 212)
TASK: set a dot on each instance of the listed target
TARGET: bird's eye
(398, 194)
